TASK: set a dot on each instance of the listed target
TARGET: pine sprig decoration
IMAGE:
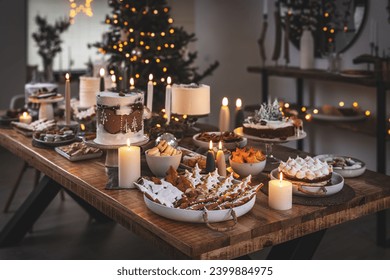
(142, 37)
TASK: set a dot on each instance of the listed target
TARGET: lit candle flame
(220, 145)
(355, 104)
(211, 145)
(286, 105)
(225, 101)
(102, 72)
(67, 76)
(82, 127)
(308, 117)
(280, 177)
(238, 103)
(341, 103)
(315, 111)
(132, 81)
(25, 114)
(128, 142)
(367, 113)
(150, 77)
(169, 80)
(303, 109)
(113, 78)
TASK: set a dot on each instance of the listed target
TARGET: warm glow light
(325, 28)
(315, 111)
(176, 119)
(162, 80)
(331, 30)
(345, 28)
(25, 114)
(308, 117)
(150, 77)
(220, 145)
(238, 103)
(355, 104)
(165, 116)
(163, 110)
(211, 145)
(169, 80)
(303, 109)
(113, 78)
(82, 127)
(367, 113)
(341, 104)
(280, 177)
(128, 142)
(155, 12)
(158, 125)
(67, 76)
(286, 105)
(137, 76)
(132, 81)
(225, 101)
(82, 8)
(170, 20)
(102, 72)
(185, 117)
(388, 131)
(326, 14)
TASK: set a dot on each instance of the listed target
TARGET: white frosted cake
(89, 87)
(190, 99)
(119, 117)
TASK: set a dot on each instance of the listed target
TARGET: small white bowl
(245, 169)
(159, 165)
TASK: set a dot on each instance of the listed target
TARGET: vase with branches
(48, 40)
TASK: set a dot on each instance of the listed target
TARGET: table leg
(27, 214)
(302, 248)
(92, 211)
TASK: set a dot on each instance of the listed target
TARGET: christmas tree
(142, 40)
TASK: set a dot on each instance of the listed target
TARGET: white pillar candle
(132, 83)
(221, 163)
(129, 165)
(224, 116)
(280, 194)
(25, 118)
(150, 93)
(168, 93)
(67, 99)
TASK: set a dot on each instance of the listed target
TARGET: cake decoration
(269, 122)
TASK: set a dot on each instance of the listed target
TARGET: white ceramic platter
(78, 157)
(196, 216)
(336, 185)
(227, 145)
(347, 171)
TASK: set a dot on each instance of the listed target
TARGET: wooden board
(262, 227)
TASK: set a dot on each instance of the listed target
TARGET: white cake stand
(46, 106)
(112, 150)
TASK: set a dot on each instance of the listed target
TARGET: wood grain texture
(262, 227)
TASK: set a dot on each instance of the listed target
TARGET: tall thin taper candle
(224, 116)
(102, 72)
(132, 83)
(221, 163)
(150, 93)
(210, 159)
(239, 116)
(168, 93)
(67, 99)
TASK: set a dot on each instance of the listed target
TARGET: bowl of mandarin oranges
(247, 161)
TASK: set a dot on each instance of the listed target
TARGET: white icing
(89, 87)
(269, 125)
(308, 168)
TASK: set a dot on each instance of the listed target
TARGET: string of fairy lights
(75, 9)
(144, 47)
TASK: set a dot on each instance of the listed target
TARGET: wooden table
(294, 233)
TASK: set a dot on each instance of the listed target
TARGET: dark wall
(13, 49)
